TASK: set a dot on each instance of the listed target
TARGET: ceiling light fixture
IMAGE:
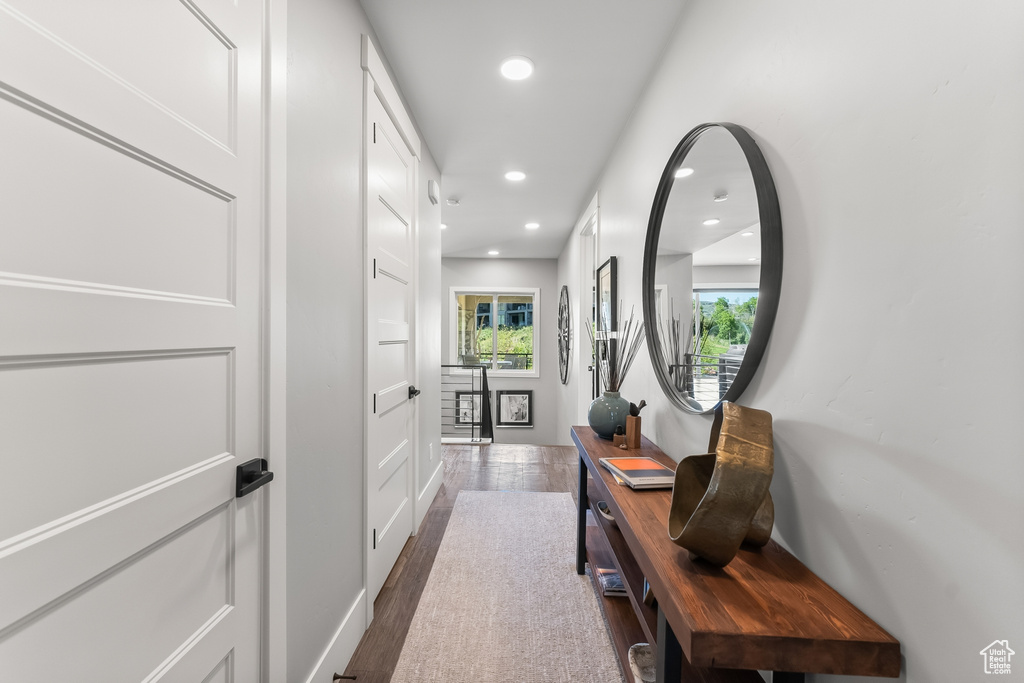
(517, 68)
(515, 176)
(492, 252)
(444, 226)
(721, 197)
(747, 234)
(452, 201)
(753, 258)
(712, 221)
(683, 172)
(532, 226)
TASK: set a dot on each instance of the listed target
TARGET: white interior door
(130, 183)
(390, 368)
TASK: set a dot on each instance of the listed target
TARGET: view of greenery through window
(517, 340)
(512, 349)
(726, 318)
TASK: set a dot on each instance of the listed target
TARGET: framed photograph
(607, 293)
(605, 319)
(515, 408)
(468, 408)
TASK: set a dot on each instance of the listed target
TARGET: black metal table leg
(786, 677)
(669, 657)
(581, 521)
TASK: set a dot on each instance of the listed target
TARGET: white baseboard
(342, 646)
(426, 496)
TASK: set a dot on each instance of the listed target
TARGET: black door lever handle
(413, 391)
(250, 476)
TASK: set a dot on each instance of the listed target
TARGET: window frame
(494, 293)
(725, 289)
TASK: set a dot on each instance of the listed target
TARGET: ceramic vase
(607, 413)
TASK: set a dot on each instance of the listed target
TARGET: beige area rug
(503, 602)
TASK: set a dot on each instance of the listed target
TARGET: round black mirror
(712, 267)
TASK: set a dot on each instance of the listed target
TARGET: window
(496, 328)
(726, 319)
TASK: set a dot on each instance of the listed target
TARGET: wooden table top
(764, 610)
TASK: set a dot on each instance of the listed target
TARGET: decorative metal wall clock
(564, 333)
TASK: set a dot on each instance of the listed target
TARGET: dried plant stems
(623, 348)
(671, 344)
(683, 354)
(633, 335)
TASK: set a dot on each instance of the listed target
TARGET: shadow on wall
(797, 269)
(869, 544)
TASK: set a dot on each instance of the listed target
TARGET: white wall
(894, 373)
(428, 341)
(722, 276)
(542, 273)
(325, 333)
(569, 410)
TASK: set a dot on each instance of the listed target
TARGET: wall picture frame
(469, 408)
(607, 292)
(515, 408)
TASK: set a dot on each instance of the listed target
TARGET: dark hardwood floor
(493, 467)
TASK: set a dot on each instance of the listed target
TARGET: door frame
(588, 227)
(377, 83)
(274, 324)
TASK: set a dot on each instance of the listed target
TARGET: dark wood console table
(765, 610)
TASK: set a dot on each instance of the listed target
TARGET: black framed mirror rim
(769, 286)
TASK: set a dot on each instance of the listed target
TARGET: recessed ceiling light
(532, 226)
(452, 201)
(516, 68)
(721, 197)
(753, 258)
(492, 252)
(712, 221)
(683, 172)
(444, 226)
(746, 234)
(515, 176)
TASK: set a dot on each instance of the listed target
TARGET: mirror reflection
(705, 278)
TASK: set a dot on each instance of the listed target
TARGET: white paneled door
(392, 420)
(130, 276)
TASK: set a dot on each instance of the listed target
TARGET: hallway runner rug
(503, 602)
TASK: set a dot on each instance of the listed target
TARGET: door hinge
(374, 539)
(375, 404)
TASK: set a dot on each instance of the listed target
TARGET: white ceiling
(720, 169)
(592, 57)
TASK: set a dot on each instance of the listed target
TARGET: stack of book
(610, 581)
(639, 473)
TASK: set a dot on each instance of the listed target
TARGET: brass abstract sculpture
(720, 499)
